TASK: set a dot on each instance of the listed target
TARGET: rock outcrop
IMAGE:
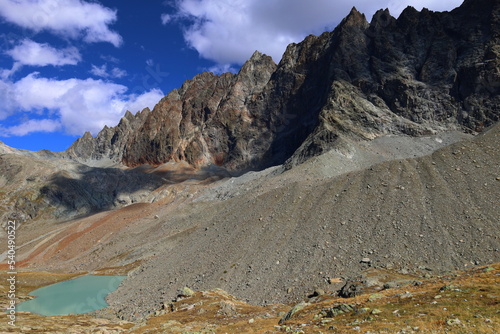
(41, 187)
(206, 121)
(421, 73)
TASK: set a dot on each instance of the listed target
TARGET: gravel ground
(276, 237)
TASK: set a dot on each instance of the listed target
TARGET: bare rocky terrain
(276, 235)
(286, 235)
(283, 179)
(404, 210)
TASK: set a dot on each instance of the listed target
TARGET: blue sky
(70, 66)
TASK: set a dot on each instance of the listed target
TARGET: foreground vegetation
(459, 302)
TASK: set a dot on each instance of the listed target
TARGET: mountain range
(422, 73)
(374, 145)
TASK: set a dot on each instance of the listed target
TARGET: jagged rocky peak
(408, 18)
(257, 70)
(422, 73)
(109, 142)
(204, 121)
(128, 116)
(355, 18)
(258, 61)
(382, 18)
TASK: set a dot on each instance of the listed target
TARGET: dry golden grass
(473, 300)
(213, 311)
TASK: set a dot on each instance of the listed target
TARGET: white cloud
(32, 53)
(32, 125)
(139, 102)
(73, 106)
(102, 71)
(36, 54)
(8, 98)
(110, 59)
(222, 68)
(5, 73)
(118, 72)
(229, 31)
(68, 18)
(166, 18)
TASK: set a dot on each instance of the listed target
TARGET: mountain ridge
(422, 73)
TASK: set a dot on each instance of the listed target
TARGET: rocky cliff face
(421, 73)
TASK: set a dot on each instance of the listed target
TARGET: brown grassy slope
(472, 297)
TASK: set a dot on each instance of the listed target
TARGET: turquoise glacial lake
(80, 295)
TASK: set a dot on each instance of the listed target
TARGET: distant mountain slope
(38, 186)
(422, 73)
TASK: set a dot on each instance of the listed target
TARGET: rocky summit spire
(355, 18)
(382, 19)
